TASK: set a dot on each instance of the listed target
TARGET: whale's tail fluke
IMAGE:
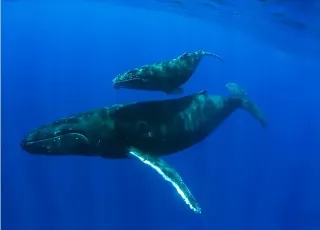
(247, 104)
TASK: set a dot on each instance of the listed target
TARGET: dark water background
(59, 59)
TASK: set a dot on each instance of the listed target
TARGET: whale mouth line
(131, 82)
(119, 81)
(55, 137)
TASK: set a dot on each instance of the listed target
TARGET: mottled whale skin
(169, 126)
(144, 130)
(166, 76)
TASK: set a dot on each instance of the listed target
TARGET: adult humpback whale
(165, 76)
(144, 130)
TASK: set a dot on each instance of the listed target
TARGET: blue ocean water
(60, 58)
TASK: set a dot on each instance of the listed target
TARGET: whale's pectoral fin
(169, 174)
(176, 91)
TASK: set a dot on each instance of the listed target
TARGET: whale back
(153, 111)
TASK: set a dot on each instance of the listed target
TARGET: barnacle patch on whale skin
(127, 76)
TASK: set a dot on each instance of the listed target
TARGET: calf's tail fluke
(247, 104)
(214, 55)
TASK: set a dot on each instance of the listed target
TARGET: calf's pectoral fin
(169, 174)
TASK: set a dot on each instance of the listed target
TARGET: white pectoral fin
(169, 174)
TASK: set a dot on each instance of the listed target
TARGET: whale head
(64, 136)
(132, 79)
(91, 133)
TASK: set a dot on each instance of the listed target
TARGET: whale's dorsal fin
(169, 174)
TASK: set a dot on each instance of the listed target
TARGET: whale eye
(142, 128)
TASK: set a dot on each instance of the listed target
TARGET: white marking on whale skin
(170, 175)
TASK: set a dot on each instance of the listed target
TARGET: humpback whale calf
(165, 76)
(142, 130)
